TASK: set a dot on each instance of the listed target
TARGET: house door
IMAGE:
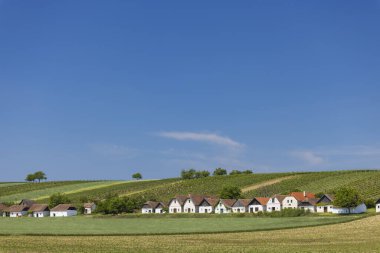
(251, 210)
(325, 209)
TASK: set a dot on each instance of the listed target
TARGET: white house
(325, 203)
(275, 203)
(207, 205)
(89, 208)
(258, 205)
(39, 210)
(378, 206)
(18, 210)
(224, 205)
(241, 206)
(176, 204)
(308, 204)
(295, 198)
(63, 210)
(153, 207)
(362, 208)
(192, 202)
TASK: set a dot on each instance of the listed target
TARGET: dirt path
(266, 183)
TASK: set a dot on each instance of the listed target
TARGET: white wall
(63, 213)
(289, 202)
(189, 207)
(174, 205)
(256, 208)
(41, 214)
(18, 214)
(359, 209)
(310, 208)
(205, 209)
(220, 208)
(147, 210)
(321, 209)
(159, 210)
(273, 205)
(378, 208)
(240, 209)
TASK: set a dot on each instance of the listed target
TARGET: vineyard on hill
(366, 181)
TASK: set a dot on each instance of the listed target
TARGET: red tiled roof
(300, 196)
(228, 202)
(242, 202)
(262, 201)
(63, 207)
(39, 208)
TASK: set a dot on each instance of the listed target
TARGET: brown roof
(196, 199)
(88, 205)
(3, 207)
(27, 202)
(180, 198)
(300, 196)
(17, 208)
(151, 204)
(309, 201)
(242, 202)
(39, 208)
(279, 197)
(212, 201)
(228, 202)
(63, 207)
(262, 201)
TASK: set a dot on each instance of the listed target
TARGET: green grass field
(356, 236)
(81, 225)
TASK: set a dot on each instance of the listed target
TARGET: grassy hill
(366, 181)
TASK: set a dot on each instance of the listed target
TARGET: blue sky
(102, 89)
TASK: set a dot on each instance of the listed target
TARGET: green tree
(347, 198)
(58, 198)
(235, 172)
(247, 172)
(230, 192)
(201, 174)
(219, 172)
(137, 176)
(40, 175)
(188, 174)
(30, 178)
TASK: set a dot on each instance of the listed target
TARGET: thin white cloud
(202, 137)
(308, 156)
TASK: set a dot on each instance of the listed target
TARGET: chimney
(304, 193)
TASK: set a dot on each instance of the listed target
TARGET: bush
(58, 198)
(188, 174)
(118, 205)
(230, 192)
(202, 174)
(220, 172)
(370, 203)
(235, 172)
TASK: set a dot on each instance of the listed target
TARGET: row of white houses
(207, 204)
(32, 209)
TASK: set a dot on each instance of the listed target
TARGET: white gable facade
(290, 202)
(378, 207)
(238, 209)
(221, 208)
(256, 207)
(189, 206)
(273, 205)
(324, 209)
(205, 207)
(175, 206)
(17, 214)
(147, 210)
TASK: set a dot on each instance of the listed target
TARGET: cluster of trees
(116, 205)
(39, 175)
(191, 173)
(57, 199)
(230, 192)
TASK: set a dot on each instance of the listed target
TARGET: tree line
(192, 174)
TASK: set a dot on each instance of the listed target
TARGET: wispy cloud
(308, 156)
(202, 137)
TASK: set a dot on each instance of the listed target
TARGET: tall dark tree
(30, 178)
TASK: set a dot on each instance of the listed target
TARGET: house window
(189, 201)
